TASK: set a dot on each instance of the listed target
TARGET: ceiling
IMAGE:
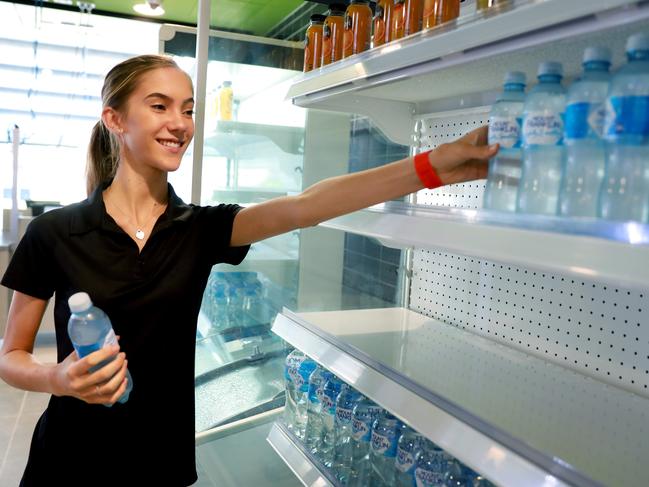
(250, 16)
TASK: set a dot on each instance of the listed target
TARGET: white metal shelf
(296, 459)
(588, 248)
(515, 418)
(462, 64)
(231, 135)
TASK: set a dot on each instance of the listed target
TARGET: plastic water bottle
(298, 368)
(330, 392)
(505, 122)
(90, 330)
(457, 475)
(585, 153)
(345, 403)
(363, 417)
(625, 191)
(293, 361)
(385, 434)
(543, 115)
(313, 431)
(407, 447)
(430, 466)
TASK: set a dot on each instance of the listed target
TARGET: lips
(173, 144)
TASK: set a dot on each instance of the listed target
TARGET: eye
(189, 113)
(158, 106)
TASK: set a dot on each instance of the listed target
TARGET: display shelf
(587, 248)
(402, 81)
(297, 459)
(513, 417)
(229, 136)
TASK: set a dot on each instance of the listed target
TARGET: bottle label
(343, 416)
(296, 377)
(627, 116)
(109, 339)
(585, 120)
(505, 131)
(361, 430)
(383, 445)
(328, 405)
(315, 392)
(405, 460)
(542, 128)
(428, 478)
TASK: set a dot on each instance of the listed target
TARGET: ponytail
(103, 157)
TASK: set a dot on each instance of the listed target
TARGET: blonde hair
(120, 82)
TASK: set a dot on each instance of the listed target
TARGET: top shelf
(406, 80)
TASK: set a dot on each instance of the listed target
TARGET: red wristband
(427, 174)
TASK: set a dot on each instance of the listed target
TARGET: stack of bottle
(357, 441)
(350, 29)
(583, 152)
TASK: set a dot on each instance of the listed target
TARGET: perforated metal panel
(591, 327)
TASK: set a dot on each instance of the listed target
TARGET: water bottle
(407, 447)
(298, 370)
(90, 330)
(363, 416)
(625, 191)
(585, 153)
(313, 430)
(293, 361)
(543, 114)
(457, 475)
(430, 466)
(505, 121)
(345, 403)
(330, 392)
(385, 434)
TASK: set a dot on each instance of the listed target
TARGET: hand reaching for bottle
(73, 376)
(464, 159)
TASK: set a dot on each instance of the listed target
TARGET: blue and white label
(361, 431)
(405, 460)
(315, 392)
(343, 415)
(585, 120)
(627, 116)
(428, 478)
(505, 131)
(542, 128)
(296, 377)
(383, 445)
(293, 362)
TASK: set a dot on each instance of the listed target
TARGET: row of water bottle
(583, 152)
(360, 443)
(232, 299)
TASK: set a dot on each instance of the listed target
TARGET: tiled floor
(19, 411)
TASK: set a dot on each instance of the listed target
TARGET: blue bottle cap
(597, 53)
(638, 42)
(515, 77)
(550, 68)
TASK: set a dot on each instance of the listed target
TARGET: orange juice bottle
(313, 43)
(382, 18)
(358, 28)
(439, 11)
(398, 21)
(332, 34)
(414, 10)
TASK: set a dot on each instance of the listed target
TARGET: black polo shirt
(153, 299)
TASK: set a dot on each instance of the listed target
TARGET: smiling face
(157, 122)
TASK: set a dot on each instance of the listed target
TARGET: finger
(95, 358)
(477, 136)
(119, 392)
(480, 152)
(107, 371)
(108, 388)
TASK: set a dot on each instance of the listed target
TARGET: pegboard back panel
(588, 326)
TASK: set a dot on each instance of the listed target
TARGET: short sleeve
(30, 268)
(218, 222)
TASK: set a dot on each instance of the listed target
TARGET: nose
(180, 123)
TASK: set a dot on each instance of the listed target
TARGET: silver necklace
(139, 231)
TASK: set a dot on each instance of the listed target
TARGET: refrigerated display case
(518, 344)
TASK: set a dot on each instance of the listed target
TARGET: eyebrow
(167, 98)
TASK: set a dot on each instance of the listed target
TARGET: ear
(112, 120)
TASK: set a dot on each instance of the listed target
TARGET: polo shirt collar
(92, 214)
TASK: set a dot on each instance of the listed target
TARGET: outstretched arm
(462, 160)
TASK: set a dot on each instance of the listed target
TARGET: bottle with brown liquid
(414, 10)
(398, 21)
(437, 12)
(358, 28)
(332, 34)
(313, 43)
(382, 25)
(485, 4)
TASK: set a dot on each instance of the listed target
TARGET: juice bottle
(398, 21)
(313, 43)
(413, 16)
(225, 101)
(382, 19)
(439, 11)
(332, 34)
(358, 27)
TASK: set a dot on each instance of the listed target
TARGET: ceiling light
(152, 8)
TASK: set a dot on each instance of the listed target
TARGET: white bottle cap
(638, 42)
(597, 53)
(79, 302)
(551, 68)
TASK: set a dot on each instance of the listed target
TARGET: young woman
(144, 257)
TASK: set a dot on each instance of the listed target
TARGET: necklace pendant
(139, 234)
